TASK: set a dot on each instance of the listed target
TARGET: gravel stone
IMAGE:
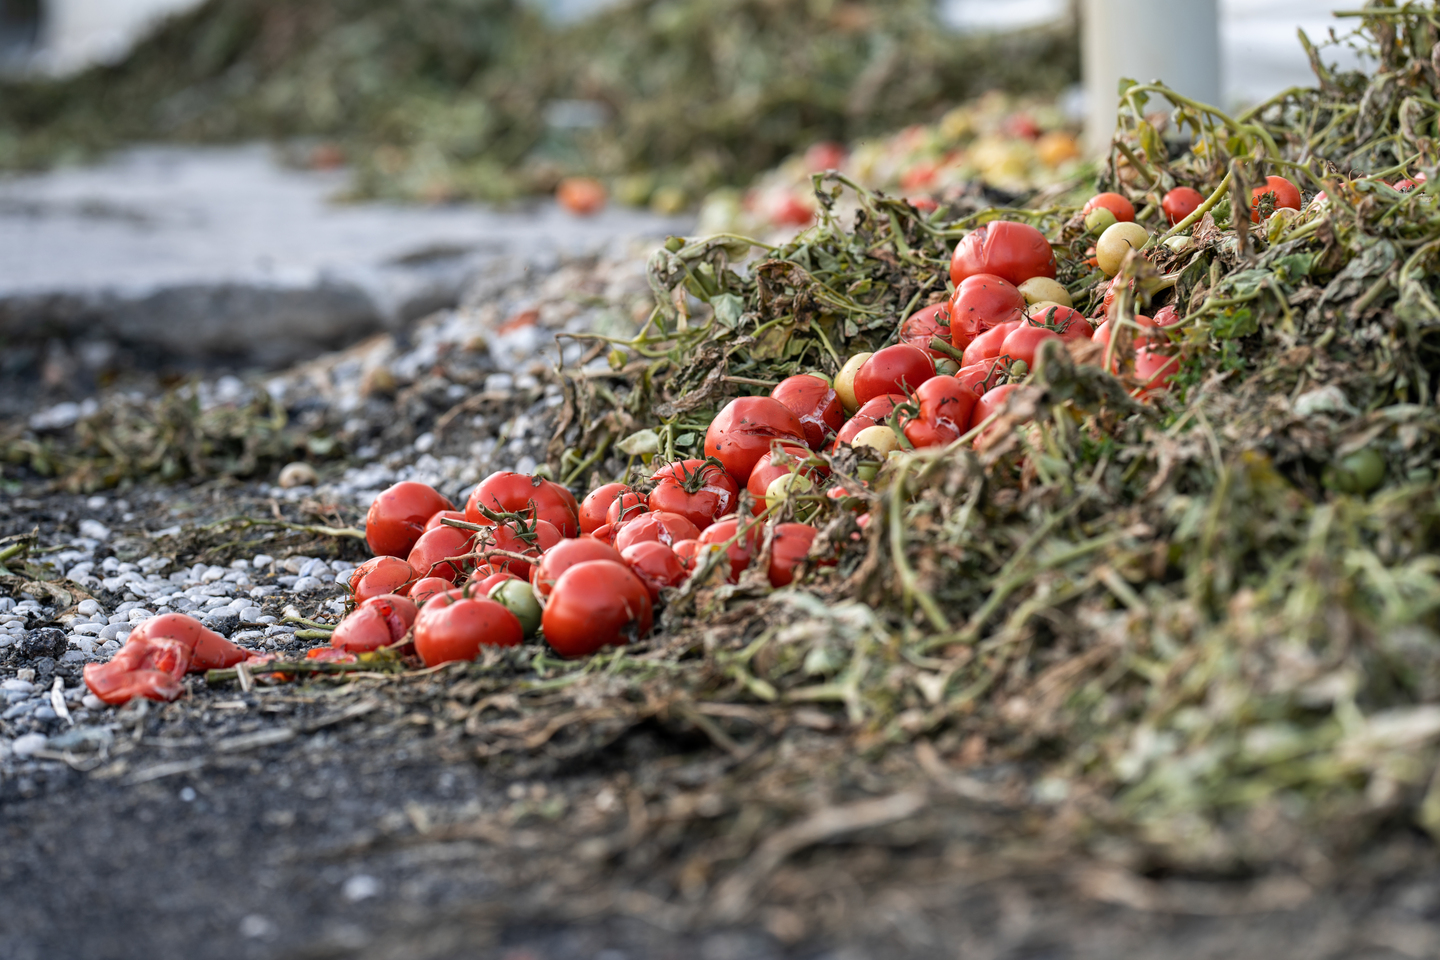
(88, 629)
(17, 686)
(89, 607)
(45, 713)
(27, 745)
(251, 614)
(307, 585)
(262, 560)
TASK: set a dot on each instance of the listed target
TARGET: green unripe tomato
(517, 597)
(1099, 220)
(1359, 472)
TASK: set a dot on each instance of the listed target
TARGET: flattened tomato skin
(1011, 251)
(451, 628)
(899, 369)
(745, 429)
(398, 516)
(596, 604)
(815, 404)
(378, 622)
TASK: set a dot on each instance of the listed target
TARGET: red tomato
(1154, 369)
(896, 369)
(606, 534)
(1180, 203)
(982, 377)
(455, 628)
(434, 552)
(925, 432)
(1286, 195)
(789, 545)
(926, 324)
(814, 403)
(515, 537)
(739, 553)
(427, 587)
(1123, 209)
(656, 565)
(1024, 341)
(439, 519)
(565, 555)
(825, 155)
(1070, 324)
(528, 497)
(380, 575)
(378, 622)
(685, 551)
(1102, 332)
(596, 604)
(923, 204)
(987, 345)
(947, 401)
(788, 210)
(744, 430)
(1011, 251)
(597, 503)
(991, 403)
(868, 415)
(397, 517)
(478, 586)
(698, 490)
(1167, 316)
(208, 650)
(776, 464)
(141, 668)
(981, 302)
(660, 526)
(581, 196)
(625, 508)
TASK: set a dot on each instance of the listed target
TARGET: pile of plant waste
(1201, 631)
(485, 99)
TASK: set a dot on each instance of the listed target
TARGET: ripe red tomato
(1154, 369)
(596, 503)
(991, 403)
(1286, 195)
(896, 369)
(480, 586)
(455, 628)
(1069, 323)
(814, 403)
(438, 520)
(660, 526)
(1123, 209)
(581, 196)
(925, 432)
(1167, 316)
(514, 536)
(776, 464)
(1011, 251)
(789, 545)
(987, 345)
(1023, 342)
(739, 553)
(397, 517)
(981, 302)
(565, 555)
(378, 622)
(698, 490)
(529, 497)
(873, 412)
(380, 575)
(926, 324)
(947, 401)
(596, 604)
(1102, 332)
(1180, 203)
(427, 587)
(656, 565)
(685, 551)
(434, 552)
(744, 430)
(606, 534)
(980, 378)
(625, 508)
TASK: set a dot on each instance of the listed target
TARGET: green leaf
(728, 309)
(1235, 322)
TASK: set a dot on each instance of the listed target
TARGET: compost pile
(1169, 624)
(485, 99)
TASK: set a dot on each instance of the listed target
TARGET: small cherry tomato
(987, 345)
(565, 555)
(596, 604)
(398, 516)
(1122, 208)
(381, 575)
(596, 503)
(660, 526)
(378, 622)
(981, 302)
(698, 490)
(1286, 194)
(739, 553)
(1180, 203)
(1011, 251)
(869, 415)
(745, 428)
(925, 325)
(625, 508)
(896, 369)
(656, 565)
(435, 552)
(815, 404)
(455, 628)
(533, 498)
(789, 545)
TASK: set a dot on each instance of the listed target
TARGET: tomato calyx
(1265, 203)
(695, 479)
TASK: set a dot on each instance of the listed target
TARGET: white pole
(1175, 41)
